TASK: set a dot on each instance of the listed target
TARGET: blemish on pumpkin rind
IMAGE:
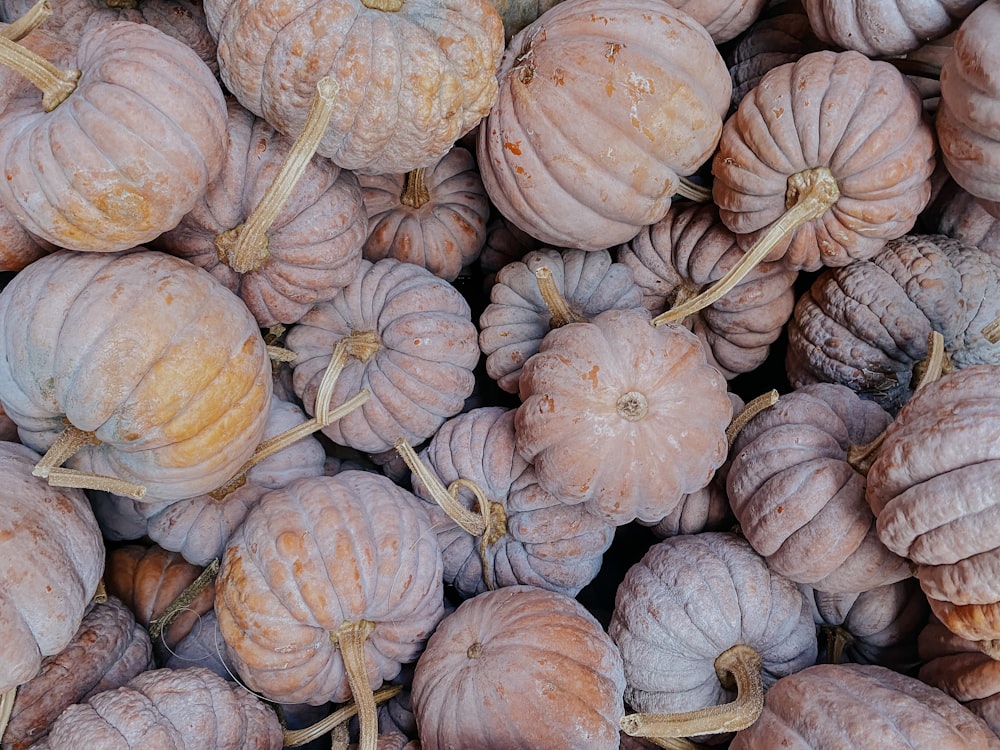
(514, 147)
(591, 375)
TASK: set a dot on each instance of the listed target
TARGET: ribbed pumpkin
(120, 155)
(158, 369)
(413, 346)
(959, 214)
(638, 90)
(416, 75)
(723, 19)
(515, 668)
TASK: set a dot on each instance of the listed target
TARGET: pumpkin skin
(423, 369)
(959, 214)
(316, 555)
(108, 650)
(723, 19)
(127, 154)
(505, 659)
(314, 243)
(517, 318)
(517, 14)
(411, 82)
(446, 233)
(689, 599)
(882, 28)
(800, 503)
(162, 363)
(870, 133)
(968, 117)
(830, 706)
(185, 709)
(203, 647)
(634, 74)
(623, 443)
(933, 489)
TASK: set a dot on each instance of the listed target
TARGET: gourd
(723, 19)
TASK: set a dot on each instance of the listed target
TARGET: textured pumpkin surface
(411, 82)
(166, 709)
(517, 318)
(519, 667)
(689, 599)
(201, 647)
(316, 555)
(832, 706)
(866, 325)
(933, 488)
(606, 418)
(860, 118)
(108, 650)
(603, 106)
(422, 371)
(161, 362)
(127, 154)
(547, 543)
(313, 244)
(800, 503)
(723, 19)
(959, 214)
(51, 558)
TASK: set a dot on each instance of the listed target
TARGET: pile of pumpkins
(343, 345)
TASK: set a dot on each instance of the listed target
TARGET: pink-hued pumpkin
(638, 90)
(516, 668)
(723, 19)
(959, 214)
(606, 418)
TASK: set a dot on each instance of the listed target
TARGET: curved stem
(28, 21)
(390, 6)
(69, 442)
(244, 248)
(837, 639)
(750, 410)
(743, 664)
(191, 592)
(415, 192)
(55, 83)
(6, 708)
(562, 313)
(351, 637)
(299, 737)
(693, 192)
(810, 194)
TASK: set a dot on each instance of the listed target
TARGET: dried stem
(299, 737)
(6, 708)
(100, 595)
(743, 664)
(69, 442)
(693, 192)
(750, 410)
(390, 6)
(562, 313)
(415, 192)
(837, 639)
(191, 592)
(810, 194)
(55, 83)
(351, 637)
(28, 21)
(992, 331)
(244, 248)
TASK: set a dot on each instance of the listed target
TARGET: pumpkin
(693, 609)
(933, 490)
(519, 667)
(533, 538)
(830, 706)
(202, 646)
(516, 14)
(280, 265)
(959, 214)
(328, 587)
(108, 650)
(433, 216)
(505, 243)
(413, 346)
(880, 28)
(605, 415)
(131, 147)
(866, 325)
(723, 19)
(638, 90)
(415, 75)
(170, 709)
(546, 289)
(798, 500)
(159, 371)
(51, 558)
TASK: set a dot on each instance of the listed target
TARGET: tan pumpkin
(723, 19)
(639, 91)
(433, 216)
(416, 75)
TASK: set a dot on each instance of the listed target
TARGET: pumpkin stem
(837, 639)
(693, 191)
(992, 331)
(6, 708)
(562, 313)
(299, 737)
(350, 638)
(632, 406)
(810, 194)
(390, 6)
(750, 410)
(69, 442)
(363, 345)
(100, 595)
(191, 592)
(244, 248)
(490, 524)
(673, 743)
(55, 83)
(415, 192)
(280, 354)
(28, 21)
(122, 4)
(742, 664)
(357, 345)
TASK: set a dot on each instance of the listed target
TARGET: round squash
(723, 19)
